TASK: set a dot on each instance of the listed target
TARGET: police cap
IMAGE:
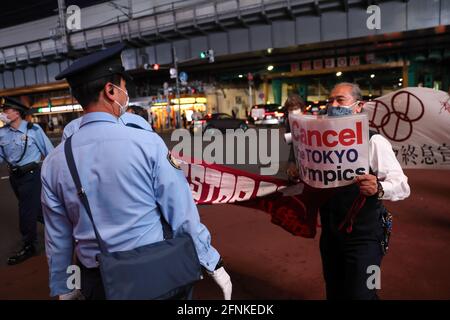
(11, 103)
(103, 63)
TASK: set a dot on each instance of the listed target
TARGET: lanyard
(24, 149)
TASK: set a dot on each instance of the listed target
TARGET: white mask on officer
(4, 118)
(123, 108)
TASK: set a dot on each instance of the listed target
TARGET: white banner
(417, 123)
(330, 151)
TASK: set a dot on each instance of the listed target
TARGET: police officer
(139, 111)
(22, 145)
(350, 246)
(132, 118)
(129, 177)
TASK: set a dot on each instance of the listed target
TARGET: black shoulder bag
(155, 271)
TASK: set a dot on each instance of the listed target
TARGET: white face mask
(123, 108)
(4, 119)
(296, 112)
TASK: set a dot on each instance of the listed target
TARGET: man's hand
(292, 171)
(367, 184)
(73, 295)
(223, 280)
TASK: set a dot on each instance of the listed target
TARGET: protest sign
(330, 151)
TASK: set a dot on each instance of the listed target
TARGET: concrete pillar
(411, 79)
(276, 90)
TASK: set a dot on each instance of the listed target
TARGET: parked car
(267, 114)
(221, 121)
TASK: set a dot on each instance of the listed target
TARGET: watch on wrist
(380, 191)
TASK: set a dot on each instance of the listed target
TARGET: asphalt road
(265, 262)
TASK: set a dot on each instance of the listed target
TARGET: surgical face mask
(5, 119)
(123, 108)
(340, 110)
(296, 112)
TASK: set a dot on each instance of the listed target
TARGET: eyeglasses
(340, 101)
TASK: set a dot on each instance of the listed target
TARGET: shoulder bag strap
(83, 197)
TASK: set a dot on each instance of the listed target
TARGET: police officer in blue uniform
(135, 110)
(22, 145)
(130, 119)
(128, 175)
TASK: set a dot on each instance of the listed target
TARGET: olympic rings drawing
(393, 114)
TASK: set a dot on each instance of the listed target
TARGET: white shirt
(386, 167)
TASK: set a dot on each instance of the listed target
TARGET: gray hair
(356, 90)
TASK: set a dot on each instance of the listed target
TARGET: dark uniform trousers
(347, 256)
(27, 188)
(92, 286)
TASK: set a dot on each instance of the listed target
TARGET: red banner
(292, 207)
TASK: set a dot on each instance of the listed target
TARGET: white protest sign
(330, 151)
(416, 121)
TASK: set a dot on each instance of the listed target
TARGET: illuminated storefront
(54, 115)
(164, 112)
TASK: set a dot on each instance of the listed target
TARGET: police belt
(19, 171)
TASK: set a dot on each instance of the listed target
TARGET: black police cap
(7, 102)
(103, 63)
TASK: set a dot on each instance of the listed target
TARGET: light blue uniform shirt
(129, 182)
(126, 118)
(71, 128)
(12, 144)
(132, 118)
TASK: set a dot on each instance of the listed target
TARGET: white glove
(223, 280)
(73, 295)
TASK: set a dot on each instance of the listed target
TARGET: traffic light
(207, 54)
(153, 66)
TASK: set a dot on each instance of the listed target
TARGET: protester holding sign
(294, 104)
(355, 224)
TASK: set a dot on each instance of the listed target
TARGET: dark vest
(333, 212)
